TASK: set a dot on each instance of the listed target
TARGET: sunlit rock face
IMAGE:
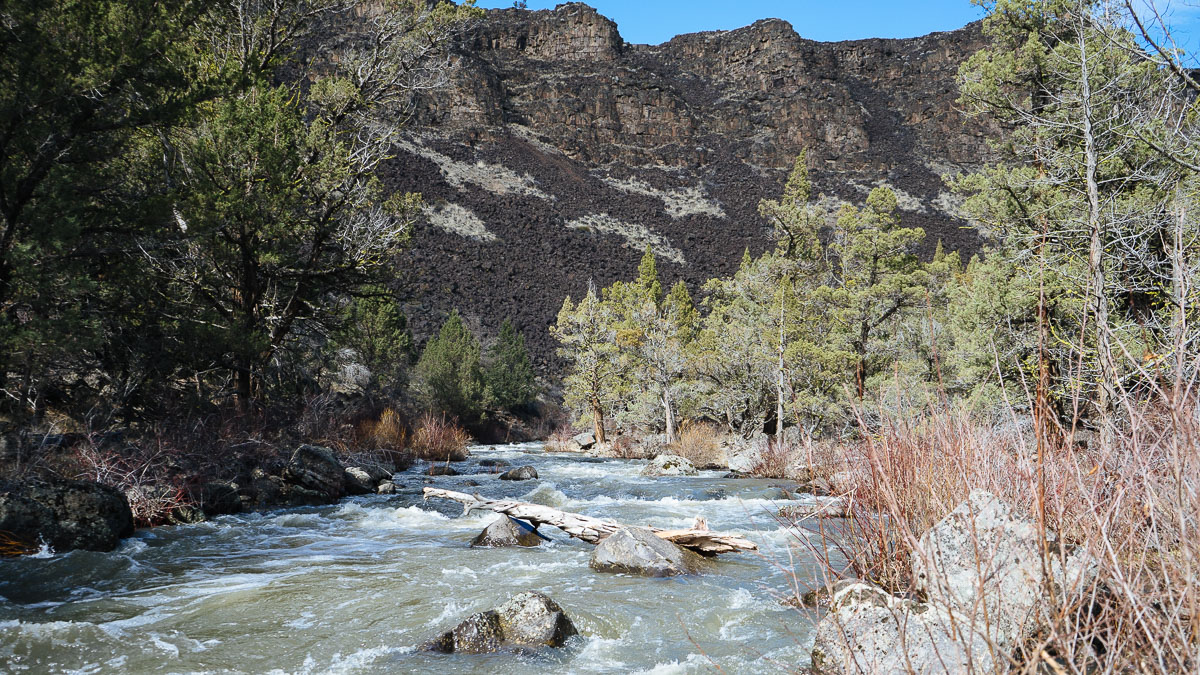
(557, 152)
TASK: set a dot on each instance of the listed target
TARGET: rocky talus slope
(559, 151)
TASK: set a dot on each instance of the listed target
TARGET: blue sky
(655, 21)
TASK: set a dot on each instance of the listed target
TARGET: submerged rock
(520, 473)
(528, 619)
(506, 531)
(821, 507)
(387, 487)
(493, 462)
(636, 550)
(669, 465)
(441, 470)
(67, 514)
(316, 470)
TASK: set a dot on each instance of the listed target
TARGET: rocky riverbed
(360, 586)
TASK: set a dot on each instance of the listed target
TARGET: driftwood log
(593, 530)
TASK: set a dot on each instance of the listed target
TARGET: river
(355, 587)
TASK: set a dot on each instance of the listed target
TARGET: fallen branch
(593, 530)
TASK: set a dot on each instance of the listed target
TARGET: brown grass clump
(438, 440)
(700, 444)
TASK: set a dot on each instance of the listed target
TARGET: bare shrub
(145, 475)
(773, 459)
(560, 439)
(700, 444)
(438, 440)
(1131, 506)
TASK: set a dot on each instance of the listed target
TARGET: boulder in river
(358, 481)
(636, 550)
(520, 473)
(669, 465)
(318, 470)
(492, 462)
(506, 531)
(67, 514)
(526, 620)
(387, 487)
(440, 470)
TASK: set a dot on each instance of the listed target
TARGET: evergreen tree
(377, 330)
(508, 375)
(877, 276)
(449, 374)
(587, 335)
(647, 278)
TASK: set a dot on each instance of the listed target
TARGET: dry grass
(12, 546)
(438, 440)
(700, 444)
(1133, 505)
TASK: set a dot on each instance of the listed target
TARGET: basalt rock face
(558, 152)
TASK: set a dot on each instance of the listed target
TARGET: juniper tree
(508, 375)
(449, 374)
(587, 336)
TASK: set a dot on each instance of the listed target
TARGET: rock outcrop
(66, 515)
(559, 151)
(636, 550)
(527, 620)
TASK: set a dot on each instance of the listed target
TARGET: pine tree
(587, 335)
(647, 278)
(449, 373)
(508, 376)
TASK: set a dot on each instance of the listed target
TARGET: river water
(354, 587)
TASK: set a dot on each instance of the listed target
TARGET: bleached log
(593, 530)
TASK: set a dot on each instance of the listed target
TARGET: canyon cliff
(557, 152)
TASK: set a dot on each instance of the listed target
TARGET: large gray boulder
(636, 550)
(520, 473)
(505, 531)
(581, 442)
(985, 563)
(870, 631)
(358, 481)
(526, 620)
(669, 465)
(67, 515)
(317, 470)
(980, 571)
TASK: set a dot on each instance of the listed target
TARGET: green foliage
(647, 278)
(508, 376)
(375, 328)
(587, 335)
(449, 374)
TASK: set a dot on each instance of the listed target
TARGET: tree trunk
(1179, 289)
(670, 415)
(1097, 281)
(598, 420)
